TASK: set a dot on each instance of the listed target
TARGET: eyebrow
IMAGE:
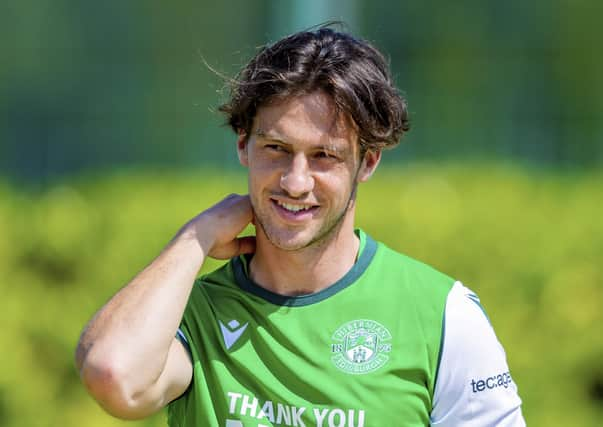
(271, 137)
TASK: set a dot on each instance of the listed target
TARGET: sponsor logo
(360, 346)
(232, 332)
(495, 381)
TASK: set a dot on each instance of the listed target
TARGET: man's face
(304, 165)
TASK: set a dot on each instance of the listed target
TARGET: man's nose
(297, 179)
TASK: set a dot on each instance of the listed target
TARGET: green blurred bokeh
(105, 84)
(109, 141)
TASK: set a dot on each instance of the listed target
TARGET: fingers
(222, 223)
(236, 247)
(236, 207)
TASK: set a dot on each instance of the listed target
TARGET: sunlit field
(530, 243)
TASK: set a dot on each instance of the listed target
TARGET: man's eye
(275, 147)
(325, 155)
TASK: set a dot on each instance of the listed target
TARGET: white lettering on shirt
(247, 406)
(233, 401)
(283, 414)
(289, 415)
(267, 411)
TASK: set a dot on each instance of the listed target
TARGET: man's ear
(369, 164)
(242, 142)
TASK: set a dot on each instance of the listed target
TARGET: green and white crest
(360, 346)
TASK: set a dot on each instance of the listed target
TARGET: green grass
(529, 243)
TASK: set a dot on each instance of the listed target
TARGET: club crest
(360, 346)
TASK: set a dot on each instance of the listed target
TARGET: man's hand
(216, 229)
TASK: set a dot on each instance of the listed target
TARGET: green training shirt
(362, 352)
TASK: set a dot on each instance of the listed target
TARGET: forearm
(125, 345)
(127, 355)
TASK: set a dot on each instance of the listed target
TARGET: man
(311, 322)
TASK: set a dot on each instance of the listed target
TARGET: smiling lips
(295, 209)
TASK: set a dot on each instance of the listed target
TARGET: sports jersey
(392, 343)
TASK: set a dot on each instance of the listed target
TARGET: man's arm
(474, 385)
(128, 356)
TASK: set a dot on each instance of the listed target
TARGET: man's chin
(289, 243)
(291, 240)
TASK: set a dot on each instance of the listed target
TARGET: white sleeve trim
(473, 386)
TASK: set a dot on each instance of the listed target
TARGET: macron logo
(232, 332)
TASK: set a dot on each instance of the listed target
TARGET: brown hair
(350, 70)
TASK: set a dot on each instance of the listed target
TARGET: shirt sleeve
(474, 386)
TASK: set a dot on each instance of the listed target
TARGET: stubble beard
(323, 236)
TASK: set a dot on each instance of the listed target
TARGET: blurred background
(110, 140)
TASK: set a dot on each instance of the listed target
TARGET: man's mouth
(295, 207)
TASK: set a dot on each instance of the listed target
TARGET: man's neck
(307, 270)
